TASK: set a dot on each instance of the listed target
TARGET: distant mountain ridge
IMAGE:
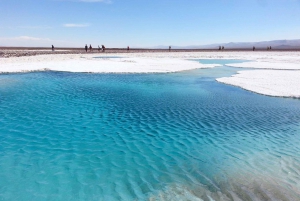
(278, 44)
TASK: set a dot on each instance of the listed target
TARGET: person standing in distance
(85, 47)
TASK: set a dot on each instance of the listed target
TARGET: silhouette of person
(270, 47)
(253, 48)
(169, 48)
(219, 47)
(52, 48)
(103, 48)
(86, 47)
(222, 47)
(127, 48)
(91, 48)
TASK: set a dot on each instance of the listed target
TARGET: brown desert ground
(7, 52)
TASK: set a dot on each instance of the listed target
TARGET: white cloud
(28, 41)
(76, 25)
(28, 38)
(35, 27)
(27, 27)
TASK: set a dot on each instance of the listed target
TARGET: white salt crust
(282, 78)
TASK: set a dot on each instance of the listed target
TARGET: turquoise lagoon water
(177, 136)
(220, 61)
(108, 57)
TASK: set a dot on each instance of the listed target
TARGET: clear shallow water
(178, 136)
(220, 61)
(108, 57)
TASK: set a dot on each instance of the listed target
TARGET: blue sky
(146, 23)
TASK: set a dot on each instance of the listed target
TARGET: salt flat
(281, 78)
(267, 65)
(105, 64)
(284, 83)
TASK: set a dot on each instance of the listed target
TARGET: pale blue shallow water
(221, 61)
(177, 136)
(108, 57)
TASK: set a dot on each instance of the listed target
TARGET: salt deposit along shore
(282, 83)
(98, 63)
(281, 79)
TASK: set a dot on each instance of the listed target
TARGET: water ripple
(67, 136)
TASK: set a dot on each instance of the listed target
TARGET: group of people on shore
(91, 48)
(253, 48)
(99, 48)
(102, 48)
(268, 48)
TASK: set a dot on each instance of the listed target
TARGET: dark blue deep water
(177, 136)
